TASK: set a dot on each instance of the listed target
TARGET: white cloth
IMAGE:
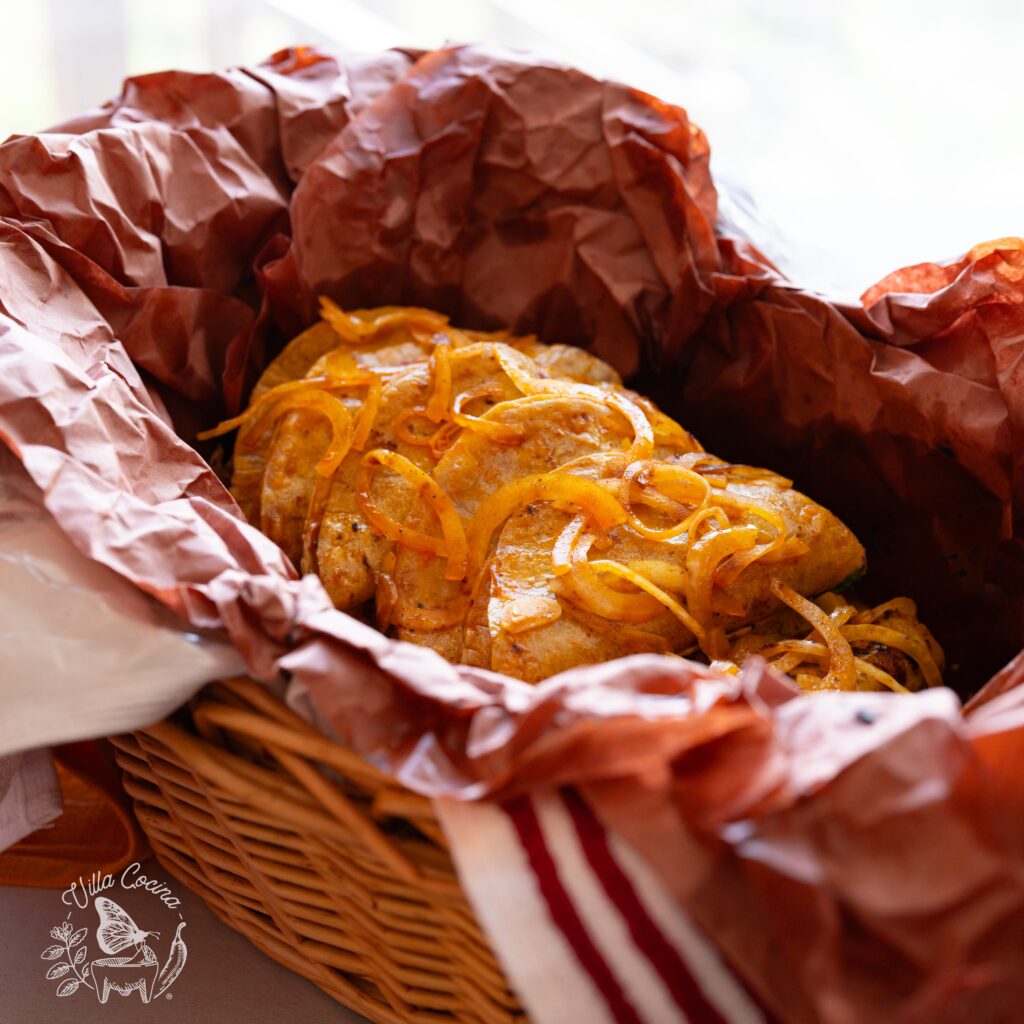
(82, 654)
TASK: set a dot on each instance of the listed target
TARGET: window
(875, 133)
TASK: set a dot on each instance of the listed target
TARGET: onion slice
(703, 558)
(367, 414)
(563, 489)
(643, 433)
(503, 433)
(445, 437)
(670, 481)
(276, 394)
(441, 395)
(453, 543)
(562, 554)
(356, 330)
(910, 645)
(786, 655)
(842, 672)
(650, 588)
(406, 435)
(583, 587)
(313, 401)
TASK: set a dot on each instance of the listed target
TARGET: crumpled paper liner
(858, 856)
(84, 654)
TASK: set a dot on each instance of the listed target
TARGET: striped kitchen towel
(582, 926)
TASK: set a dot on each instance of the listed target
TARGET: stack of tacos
(513, 506)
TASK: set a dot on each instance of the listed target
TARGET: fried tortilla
(522, 567)
(272, 480)
(511, 505)
(349, 553)
(301, 357)
(554, 430)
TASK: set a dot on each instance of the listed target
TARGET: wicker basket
(324, 863)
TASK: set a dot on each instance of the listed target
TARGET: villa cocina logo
(131, 965)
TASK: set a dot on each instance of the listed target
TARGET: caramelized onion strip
(367, 415)
(643, 433)
(356, 330)
(441, 395)
(452, 545)
(503, 433)
(270, 398)
(563, 489)
(648, 587)
(788, 654)
(561, 555)
(910, 645)
(584, 588)
(842, 672)
(670, 481)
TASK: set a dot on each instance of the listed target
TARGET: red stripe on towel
(527, 825)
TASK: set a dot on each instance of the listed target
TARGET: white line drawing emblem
(130, 965)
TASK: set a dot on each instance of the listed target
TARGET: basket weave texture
(324, 863)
